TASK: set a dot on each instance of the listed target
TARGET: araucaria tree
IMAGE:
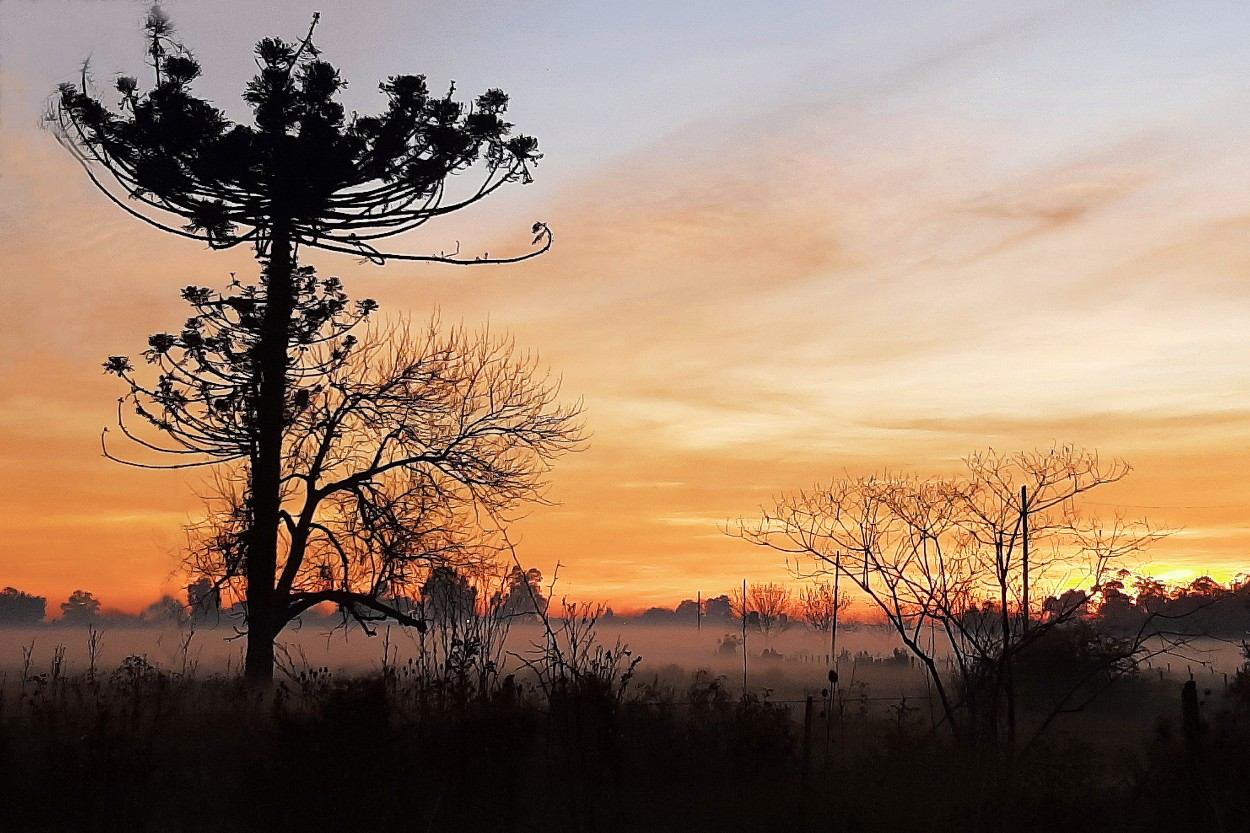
(303, 174)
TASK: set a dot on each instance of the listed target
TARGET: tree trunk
(263, 606)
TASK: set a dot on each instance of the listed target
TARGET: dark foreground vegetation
(586, 741)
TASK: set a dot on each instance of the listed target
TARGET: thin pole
(807, 738)
(1024, 540)
(833, 638)
(833, 658)
(744, 639)
(698, 611)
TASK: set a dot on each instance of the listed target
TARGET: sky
(794, 242)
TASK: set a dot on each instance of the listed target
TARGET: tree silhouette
(403, 451)
(164, 611)
(719, 608)
(303, 174)
(766, 607)
(19, 608)
(820, 605)
(80, 608)
(967, 566)
(522, 594)
(203, 599)
(448, 595)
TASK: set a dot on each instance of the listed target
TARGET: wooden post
(1191, 731)
(833, 649)
(829, 706)
(833, 638)
(698, 611)
(807, 738)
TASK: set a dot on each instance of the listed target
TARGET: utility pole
(744, 639)
(1024, 552)
(698, 610)
(833, 630)
(833, 654)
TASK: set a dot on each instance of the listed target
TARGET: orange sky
(775, 264)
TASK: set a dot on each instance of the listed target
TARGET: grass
(418, 746)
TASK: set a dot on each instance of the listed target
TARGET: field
(158, 736)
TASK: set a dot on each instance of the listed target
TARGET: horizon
(789, 245)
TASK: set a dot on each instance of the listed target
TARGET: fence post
(807, 738)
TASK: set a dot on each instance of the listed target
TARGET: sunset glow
(789, 246)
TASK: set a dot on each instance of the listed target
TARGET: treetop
(337, 181)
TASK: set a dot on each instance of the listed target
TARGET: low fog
(786, 665)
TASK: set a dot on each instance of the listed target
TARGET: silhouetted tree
(657, 616)
(18, 608)
(1150, 594)
(448, 595)
(820, 607)
(970, 561)
(1115, 607)
(718, 608)
(766, 607)
(80, 608)
(687, 612)
(522, 595)
(164, 611)
(1070, 604)
(303, 174)
(403, 450)
(203, 599)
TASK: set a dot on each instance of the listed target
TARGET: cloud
(884, 273)
(1128, 427)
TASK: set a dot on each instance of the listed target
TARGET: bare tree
(765, 607)
(819, 607)
(403, 449)
(961, 567)
(303, 174)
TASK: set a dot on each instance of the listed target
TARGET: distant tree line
(1201, 606)
(446, 593)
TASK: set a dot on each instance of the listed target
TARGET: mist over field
(673, 653)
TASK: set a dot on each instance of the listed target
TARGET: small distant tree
(203, 599)
(687, 611)
(448, 596)
(766, 607)
(522, 595)
(1149, 594)
(657, 616)
(718, 608)
(1071, 604)
(820, 607)
(18, 608)
(1206, 587)
(81, 608)
(164, 611)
